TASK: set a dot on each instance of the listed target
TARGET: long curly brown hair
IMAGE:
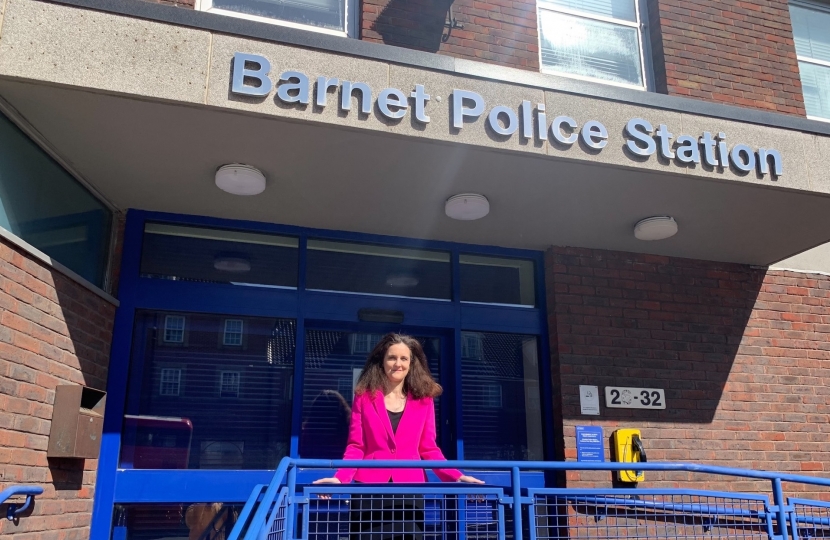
(418, 382)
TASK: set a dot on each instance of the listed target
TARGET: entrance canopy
(146, 121)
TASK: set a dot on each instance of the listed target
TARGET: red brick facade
(52, 331)
(743, 355)
(728, 51)
(497, 31)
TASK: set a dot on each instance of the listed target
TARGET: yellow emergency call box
(628, 447)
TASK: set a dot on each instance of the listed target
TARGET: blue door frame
(312, 309)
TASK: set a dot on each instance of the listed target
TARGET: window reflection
(183, 521)
(500, 397)
(333, 363)
(495, 280)
(197, 403)
(372, 269)
(178, 252)
(330, 14)
(45, 206)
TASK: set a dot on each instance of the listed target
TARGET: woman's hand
(326, 496)
(470, 479)
(327, 481)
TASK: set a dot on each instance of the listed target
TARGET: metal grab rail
(549, 511)
(13, 511)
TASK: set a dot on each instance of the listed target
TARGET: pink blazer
(371, 437)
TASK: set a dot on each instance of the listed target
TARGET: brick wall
(730, 51)
(52, 331)
(743, 355)
(497, 31)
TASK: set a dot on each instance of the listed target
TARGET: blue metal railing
(13, 510)
(517, 510)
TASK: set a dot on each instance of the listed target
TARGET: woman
(393, 418)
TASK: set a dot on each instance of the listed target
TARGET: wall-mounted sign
(619, 397)
(588, 399)
(590, 445)
(251, 77)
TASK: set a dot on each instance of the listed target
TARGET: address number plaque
(620, 397)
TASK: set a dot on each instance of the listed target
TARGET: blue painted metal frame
(422, 316)
(13, 511)
(775, 514)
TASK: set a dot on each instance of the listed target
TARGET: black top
(395, 418)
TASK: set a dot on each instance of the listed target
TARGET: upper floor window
(593, 39)
(364, 343)
(174, 329)
(233, 332)
(329, 16)
(470, 345)
(170, 382)
(228, 384)
(811, 30)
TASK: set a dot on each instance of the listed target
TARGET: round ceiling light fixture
(467, 206)
(236, 265)
(239, 179)
(402, 281)
(655, 228)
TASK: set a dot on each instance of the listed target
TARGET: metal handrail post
(290, 506)
(778, 500)
(270, 496)
(516, 480)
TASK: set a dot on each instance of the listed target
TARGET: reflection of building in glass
(332, 361)
(228, 384)
(251, 378)
(500, 396)
(174, 329)
(171, 379)
(233, 332)
(364, 343)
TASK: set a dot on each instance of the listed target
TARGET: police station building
(606, 213)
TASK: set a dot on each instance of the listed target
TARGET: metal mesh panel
(409, 516)
(649, 515)
(811, 519)
(277, 529)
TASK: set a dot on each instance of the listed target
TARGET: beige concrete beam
(64, 45)
(92, 49)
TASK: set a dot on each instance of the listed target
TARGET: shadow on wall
(624, 319)
(55, 332)
(414, 25)
(89, 322)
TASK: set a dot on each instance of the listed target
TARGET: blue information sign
(590, 445)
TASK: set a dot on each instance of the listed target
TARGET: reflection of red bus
(156, 442)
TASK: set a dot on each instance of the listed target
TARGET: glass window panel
(333, 362)
(366, 268)
(174, 329)
(45, 206)
(182, 521)
(329, 14)
(617, 9)
(811, 30)
(233, 332)
(590, 48)
(815, 84)
(218, 256)
(171, 379)
(174, 419)
(229, 384)
(500, 401)
(495, 280)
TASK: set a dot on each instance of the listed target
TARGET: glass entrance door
(332, 364)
